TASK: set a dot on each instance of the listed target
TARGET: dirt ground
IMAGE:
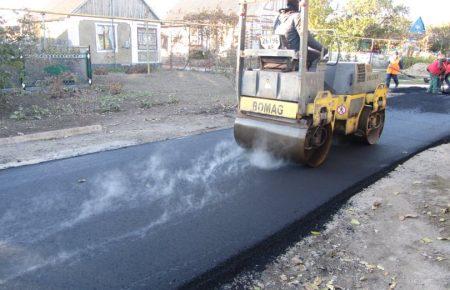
(393, 235)
(131, 108)
(117, 98)
(165, 104)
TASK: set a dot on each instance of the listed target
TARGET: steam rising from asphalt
(261, 159)
(172, 188)
(151, 184)
(115, 189)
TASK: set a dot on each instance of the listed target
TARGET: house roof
(71, 6)
(64, 6)
(60, 6)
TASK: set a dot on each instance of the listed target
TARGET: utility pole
(147, 43)
(241, 49)
(171, 53)
(372, 46)
(113, 32)
(43, 31)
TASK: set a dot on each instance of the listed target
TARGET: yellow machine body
(278, 127)
(293, 109)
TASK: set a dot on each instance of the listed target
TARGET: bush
(56, 89)
(100, 71)
(200, 54)
(173, 100)
(147, 103)
(137, 69)
(110, 104)
(34, 112)
(56, 69)
(38, 113)
(15, 41)
(117, 69)
(18, 115)
(115, 88)
(68, 78)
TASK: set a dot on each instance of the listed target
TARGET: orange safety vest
(394, 67)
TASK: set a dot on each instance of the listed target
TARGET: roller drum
(282, 140)
(297, 142)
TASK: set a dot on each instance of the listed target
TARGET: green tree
(439, 38)
(321, 17)
(215, 25)
(8, 55)
(372, 19)
(320, 13)
(15, 41)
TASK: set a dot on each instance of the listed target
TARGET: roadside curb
(57, 134)
(97, 148)
(69, 154)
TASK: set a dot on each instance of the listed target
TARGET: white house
(179, 39)
(125, 32)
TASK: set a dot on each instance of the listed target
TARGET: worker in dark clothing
(446, 75)
(288, 26)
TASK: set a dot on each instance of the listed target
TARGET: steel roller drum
(279, 139)
(283, 140)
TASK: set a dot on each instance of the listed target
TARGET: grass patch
(34, 112)
(148, 103)
(110, 104)
(18, 115)
(38, 113)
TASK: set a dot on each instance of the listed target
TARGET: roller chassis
(359, 117)
(345, 110)
(295, 113)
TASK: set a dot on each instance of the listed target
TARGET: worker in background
(436, 69)
(289, 25)
(446, 75)
(394, 69)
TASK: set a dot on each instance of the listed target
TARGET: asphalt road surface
(158, 215)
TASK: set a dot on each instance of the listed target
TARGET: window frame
(155, 28)
(156, 50)
(97, 39)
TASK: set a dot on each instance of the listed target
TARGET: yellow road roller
(291, 108)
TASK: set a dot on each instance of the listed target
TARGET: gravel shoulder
(392, 235)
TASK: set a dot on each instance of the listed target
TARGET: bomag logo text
(267, 108)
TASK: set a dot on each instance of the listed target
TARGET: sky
(433, 12)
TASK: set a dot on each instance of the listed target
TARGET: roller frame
(287, 137)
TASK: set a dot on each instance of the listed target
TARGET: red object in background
(447, 67)
(435, 68)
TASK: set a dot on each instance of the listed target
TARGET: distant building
(121, 39)
(180, 39)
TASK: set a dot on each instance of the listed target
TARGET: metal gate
(72, 65)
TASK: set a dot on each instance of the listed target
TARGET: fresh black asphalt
(158, 215)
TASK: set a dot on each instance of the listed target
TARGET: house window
(106, 37)
(147, 36)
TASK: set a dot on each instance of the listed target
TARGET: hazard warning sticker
(341, 110)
